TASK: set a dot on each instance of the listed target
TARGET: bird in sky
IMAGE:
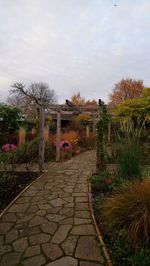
(115, 5)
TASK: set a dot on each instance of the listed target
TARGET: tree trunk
(58, 136)
(41, 137)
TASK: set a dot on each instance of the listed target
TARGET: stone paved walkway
(50, 224)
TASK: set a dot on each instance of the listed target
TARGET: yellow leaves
(82, 118)
(77, 99)
(71, 137)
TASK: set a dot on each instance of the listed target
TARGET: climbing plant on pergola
(102, 125)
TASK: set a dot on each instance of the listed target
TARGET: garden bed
(122, 251)
(12, 183)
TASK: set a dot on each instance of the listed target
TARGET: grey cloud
(74, 45)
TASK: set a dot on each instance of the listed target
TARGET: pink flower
(64, 145)
(9, 147)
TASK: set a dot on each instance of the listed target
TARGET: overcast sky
(74, 45)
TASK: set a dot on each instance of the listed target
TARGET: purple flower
(65, 145)
(9, 147)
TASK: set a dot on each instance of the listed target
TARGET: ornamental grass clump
(129, 209)
(130, 161)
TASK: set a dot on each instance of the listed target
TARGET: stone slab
(57, 202)
(10, 259)
(32, 251)
(65, 261)
(39, 239)
(37, 220)
(36, 260)
(20, 245)
(88, 249)
(61, 234)
(82, 214)
(18, 207)
(52, 251)
(49, 227)
(78, 221)
(86, 229)
(69, 245)
(11, 236)
(5, 227)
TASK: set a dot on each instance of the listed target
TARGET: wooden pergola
(67, 112)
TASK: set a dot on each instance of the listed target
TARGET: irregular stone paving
(50, 223)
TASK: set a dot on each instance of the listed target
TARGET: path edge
(20, 194)
(100, 238)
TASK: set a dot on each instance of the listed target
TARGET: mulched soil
(12, 183)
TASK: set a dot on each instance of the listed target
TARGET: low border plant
(128, 208)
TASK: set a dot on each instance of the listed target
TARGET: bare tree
(26, 105)
(41, 96)
(15, 101)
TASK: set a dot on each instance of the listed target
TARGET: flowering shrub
(28, 152)
(9, 147)
(65, 145)
(71, 136)
(68, 144)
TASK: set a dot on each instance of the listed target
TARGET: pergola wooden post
(99, 141)
(22, 136)
(58, 137)
(87, 131)
(41, 137)
(94, 125)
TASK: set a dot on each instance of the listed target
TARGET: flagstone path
(50, 223)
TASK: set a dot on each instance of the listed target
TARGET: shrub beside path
(50, 223)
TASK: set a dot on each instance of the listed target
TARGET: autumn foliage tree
(124, 90)
(135, 109)
(78, 100)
